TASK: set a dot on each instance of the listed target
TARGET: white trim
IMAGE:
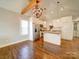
(12, 43)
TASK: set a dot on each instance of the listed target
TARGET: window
(24, 27)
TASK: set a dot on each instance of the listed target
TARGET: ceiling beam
(28, 7)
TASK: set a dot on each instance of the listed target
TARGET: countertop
(53, 32)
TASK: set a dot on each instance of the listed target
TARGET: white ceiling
(13, 5)
(70, 7)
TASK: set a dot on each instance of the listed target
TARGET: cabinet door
(67, 30)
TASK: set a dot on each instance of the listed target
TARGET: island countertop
(53, 37)
(53, 32)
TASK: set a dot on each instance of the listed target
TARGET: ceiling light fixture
(59, 8)
(37, 10)
(60, 5)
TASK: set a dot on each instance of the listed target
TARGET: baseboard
(67, 39)
(12, 43)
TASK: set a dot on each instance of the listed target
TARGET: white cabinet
(52, 38)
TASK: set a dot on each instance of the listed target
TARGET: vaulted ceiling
(13, 5)
(65, 7)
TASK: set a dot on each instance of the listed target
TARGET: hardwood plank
(41, 50)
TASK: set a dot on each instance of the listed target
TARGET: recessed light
(62, 8)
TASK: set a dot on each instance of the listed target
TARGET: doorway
(76, 30)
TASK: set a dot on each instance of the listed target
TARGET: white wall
(31, 29)
(10, 28)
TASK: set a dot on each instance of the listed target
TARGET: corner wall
(10, 28)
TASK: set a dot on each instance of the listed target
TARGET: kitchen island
(53, 37)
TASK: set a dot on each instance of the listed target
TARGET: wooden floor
(41, 50)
